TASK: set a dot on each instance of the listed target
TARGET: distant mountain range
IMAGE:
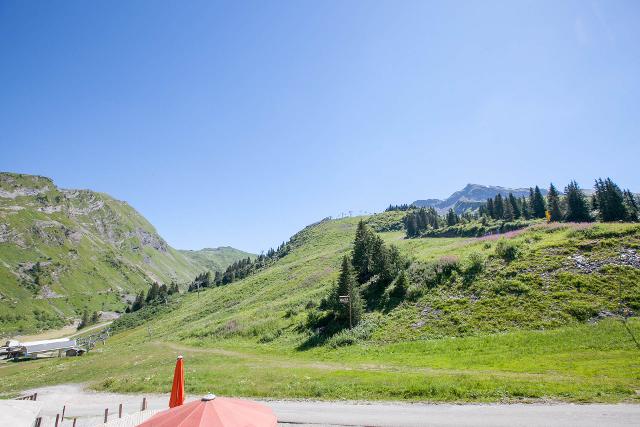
(471, 197)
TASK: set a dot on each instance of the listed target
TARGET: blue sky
(241, 122)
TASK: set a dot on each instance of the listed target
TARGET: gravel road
(89, 406)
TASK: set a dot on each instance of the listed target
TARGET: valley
(541, 326)
(63, 252)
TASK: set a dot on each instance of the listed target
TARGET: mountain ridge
(471, 197)
(63, 251)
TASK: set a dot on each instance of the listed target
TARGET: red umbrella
(177, 390)
(212, 411)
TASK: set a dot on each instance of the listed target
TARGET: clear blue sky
(241, 122)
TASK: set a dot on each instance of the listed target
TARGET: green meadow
(529, 317)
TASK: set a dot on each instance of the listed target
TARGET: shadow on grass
(315, 340)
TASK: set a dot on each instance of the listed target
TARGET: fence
(115, 418)
(33, 396)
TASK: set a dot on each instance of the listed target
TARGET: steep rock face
(470, 197)
(63, 251)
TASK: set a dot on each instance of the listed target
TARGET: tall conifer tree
(631, 205)
(508, 215)
(498, 206)
(347, 286)
(538, 207)
(515, 208)
(553, 203)
(577, 207)
(525, 208)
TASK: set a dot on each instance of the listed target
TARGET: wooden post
(57, 419)
(144, 403)
(38, 421)
(74, 422)
(35, 396)
(120, 411)
(350, 317)
(106, 414)
(64, 408)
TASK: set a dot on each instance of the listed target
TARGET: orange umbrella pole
(177, 390)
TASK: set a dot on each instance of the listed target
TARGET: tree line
(156, 293)
(417, 221)
(403, 207)
(239, 269)
(87, 320)
(608, 203)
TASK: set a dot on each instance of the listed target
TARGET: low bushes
(507, 250)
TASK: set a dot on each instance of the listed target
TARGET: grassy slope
(246, 338)
(216, 259)
(93, 249)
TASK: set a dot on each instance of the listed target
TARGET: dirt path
(260, 361)
(69, 331)
(89, 406)
(49, 335)
(91, 328)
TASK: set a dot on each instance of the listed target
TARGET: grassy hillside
(527, 316)
(63, 251)
(216, 259)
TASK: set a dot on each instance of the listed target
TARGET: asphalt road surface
(89, 407)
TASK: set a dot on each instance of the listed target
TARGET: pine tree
(610, 201)
(401, 287)
(452, 217)
(138, 303)
(490, 208)
(508, 214)
(498, 206)
(347, 286)
(361, 257)
(163, 292)
(594, 202)
(84, 321)
(631, 206)
(538, 207)
(553, 202)
(577, 208)
(410, 224)
(153, 292)
(514, 205)
(526, 214)
(363, 252)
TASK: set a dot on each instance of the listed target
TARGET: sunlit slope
(250, 338)
(216, 259)
(561, 275)
(63, 251)
(271, 302)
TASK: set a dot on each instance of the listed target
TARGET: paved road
(87, 405)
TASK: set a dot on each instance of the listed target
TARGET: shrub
(510, 287)
(507, 250)
(362, 332)
(447, 265)
(474, 264)
(581, 311)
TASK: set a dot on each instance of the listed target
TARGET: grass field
(535, 325)
(581, 363)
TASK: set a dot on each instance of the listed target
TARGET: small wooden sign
(344, 299)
